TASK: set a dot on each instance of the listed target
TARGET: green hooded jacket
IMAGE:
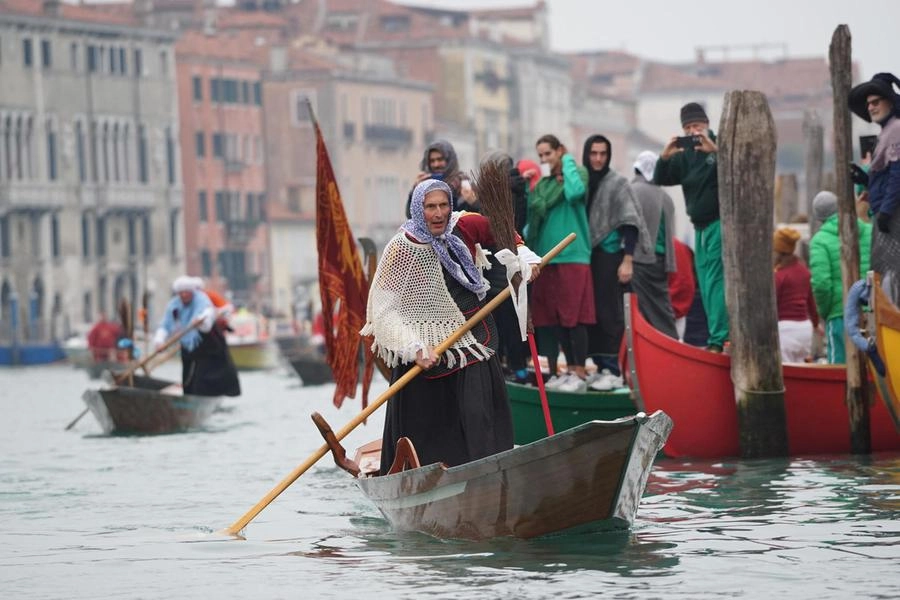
(825, 265)
(557, 209)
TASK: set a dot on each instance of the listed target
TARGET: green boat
(567, 409)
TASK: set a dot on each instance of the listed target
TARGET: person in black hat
(690, 161)
(877, 101)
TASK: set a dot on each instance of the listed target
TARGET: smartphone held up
(688, 141)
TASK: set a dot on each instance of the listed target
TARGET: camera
(439, 176)
(688, 141)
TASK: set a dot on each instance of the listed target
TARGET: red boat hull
(694, 388)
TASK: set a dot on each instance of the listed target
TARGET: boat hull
(145, 409)
(694, 387)
(887, 339)
(312, 369)
(253, 356)
(567, 409)
(589, 477)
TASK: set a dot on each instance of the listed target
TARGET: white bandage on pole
(517, 264)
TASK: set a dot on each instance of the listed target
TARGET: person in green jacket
(825, 266)
(563, 297)
(692, 164)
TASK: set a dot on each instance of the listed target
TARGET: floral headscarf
(462, 269)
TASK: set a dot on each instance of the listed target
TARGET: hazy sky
(670, 31)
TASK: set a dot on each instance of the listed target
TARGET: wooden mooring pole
(786, 197)
(841, 79)
(814, 151)
(746, 180)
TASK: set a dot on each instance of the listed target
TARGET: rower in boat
(426, 285)
(207, 368)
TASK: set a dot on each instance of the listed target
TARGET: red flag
(342, 285)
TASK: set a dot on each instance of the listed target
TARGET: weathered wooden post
(814, 150)
(786, 197)
(746, 177)
(841, 80)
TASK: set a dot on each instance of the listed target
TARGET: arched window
(28, 154)
(79, 151)
(104, 150)
(19, 148)
(51, 151)
(115, 151)
(126, 155)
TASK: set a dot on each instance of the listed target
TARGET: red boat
(694, 387)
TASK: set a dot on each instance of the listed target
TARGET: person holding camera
(690, 161)
(877, 101)
(440, 162)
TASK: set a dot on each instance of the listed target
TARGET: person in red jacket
(681, 284)
(103, 337)
(797, 315)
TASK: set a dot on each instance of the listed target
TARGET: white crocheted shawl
(410, 308)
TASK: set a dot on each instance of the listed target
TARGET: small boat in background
(150, 406)
(249, 342)
(694, 387)
(312, 368)
(567, 409)
(587, 478)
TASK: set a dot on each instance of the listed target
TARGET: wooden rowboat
(588, 478)
(567, 409)
(694, 387)
(887, 339)
(253, 355)
(152, 406)
(312, 368)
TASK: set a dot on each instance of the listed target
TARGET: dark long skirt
(453, 419)
(651, 284)
(208, 369)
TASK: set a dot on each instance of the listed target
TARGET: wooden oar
(238, 525)
(130, 371)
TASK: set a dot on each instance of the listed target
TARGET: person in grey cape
(651, 269)
(617, 228)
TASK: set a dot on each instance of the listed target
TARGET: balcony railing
(234, 166)
(240, 232)
(25, 195)
(388, 136)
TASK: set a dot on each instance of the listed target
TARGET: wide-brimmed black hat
(880, 85)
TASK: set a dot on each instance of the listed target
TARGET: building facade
(223, 160)
(90, 179)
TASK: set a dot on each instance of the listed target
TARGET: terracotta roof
(659, 77)
(374, 21)
(513, 12)
(244, 19)
(85, 13)
(239, 45)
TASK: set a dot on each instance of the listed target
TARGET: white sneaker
(606, 382)
(573, 383)
(555, 381)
